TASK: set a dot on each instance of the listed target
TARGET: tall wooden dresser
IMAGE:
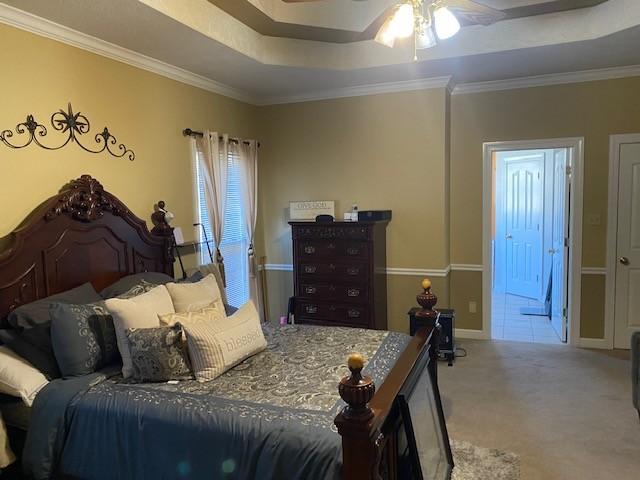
(340, 274)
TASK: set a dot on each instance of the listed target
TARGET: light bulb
(447, 24)
(402, 23)
(425, 38)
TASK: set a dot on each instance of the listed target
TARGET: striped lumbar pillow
(217, 344)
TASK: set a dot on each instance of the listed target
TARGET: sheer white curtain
(213, 152)
(248, 151)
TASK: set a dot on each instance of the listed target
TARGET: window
(235, 241)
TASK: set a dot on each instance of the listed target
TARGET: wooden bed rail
(361, 423)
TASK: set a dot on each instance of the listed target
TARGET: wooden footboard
(370, 421)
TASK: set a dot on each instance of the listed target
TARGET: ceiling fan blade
(474, 12)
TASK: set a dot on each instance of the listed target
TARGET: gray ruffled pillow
(159, 354)
(83, 338)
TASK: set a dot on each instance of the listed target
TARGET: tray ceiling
(199, 37)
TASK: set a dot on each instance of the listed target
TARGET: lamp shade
(447, 24)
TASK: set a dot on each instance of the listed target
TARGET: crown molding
(362, 90)
(45, 28)
(546, 80)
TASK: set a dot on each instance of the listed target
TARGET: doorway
(623, 244)
(529, 238)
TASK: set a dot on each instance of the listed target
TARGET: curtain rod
(187, 132)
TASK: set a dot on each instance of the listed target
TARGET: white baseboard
(471, 334)
(600, 343)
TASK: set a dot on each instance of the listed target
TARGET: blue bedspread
(269, 417)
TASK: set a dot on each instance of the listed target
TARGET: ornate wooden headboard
(83, 234)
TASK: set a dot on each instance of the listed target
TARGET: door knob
(624, 260)
(552, 251)
(508, 236)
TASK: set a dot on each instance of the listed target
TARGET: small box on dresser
(340, 274)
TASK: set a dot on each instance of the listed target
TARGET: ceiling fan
(430, 20)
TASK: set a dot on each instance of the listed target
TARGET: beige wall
(145, 111)
(591, 110)
(383, 152)
(418, 153)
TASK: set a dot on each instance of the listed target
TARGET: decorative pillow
(213, 269)
(130, 282)
(37, 313)
(142, 287)
(137, 312)
(209, 313)
(216, 346)
(158, 354)
(189, 297)
(34, 345)
(83, 338)
(18, 377)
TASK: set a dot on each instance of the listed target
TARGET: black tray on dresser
(340, 274)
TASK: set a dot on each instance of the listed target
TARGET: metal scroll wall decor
(71, 124)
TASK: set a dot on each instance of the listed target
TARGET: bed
(280, 414)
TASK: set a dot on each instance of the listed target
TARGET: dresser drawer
(357, 272)
(336, 292)
(332, 249)
(332, 312)
(351, 232)
(331, 323)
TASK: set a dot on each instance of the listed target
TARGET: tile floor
(507, 323)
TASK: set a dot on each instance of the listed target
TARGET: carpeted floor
(565, 412)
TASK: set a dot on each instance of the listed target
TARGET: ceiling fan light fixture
(403, 21)
(398, 25)
(447, 25)
(425, 37)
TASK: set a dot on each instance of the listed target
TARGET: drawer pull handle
(353, 271)
(353, 251)
(332, 308)
(353, 292)
(353, 313)
(332, 288)
(310, 290)
(310, 269)
(331, 246)
(311, 309)
(332, 267)
(309, 249)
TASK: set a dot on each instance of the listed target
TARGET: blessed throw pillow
(189, 297)
(18, 377)
(83, 338)
(158, 354)
(217, 345)
(137, 312)
(37, 313)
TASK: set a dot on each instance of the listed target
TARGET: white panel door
(627, 296)
(523, 210)
(559, 252)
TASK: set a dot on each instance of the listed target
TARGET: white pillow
(18, 377)
(137, 312)
(189, 297)
(211, 312)
(216, 345)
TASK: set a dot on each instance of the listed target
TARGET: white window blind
(235, 240)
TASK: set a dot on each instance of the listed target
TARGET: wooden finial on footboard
(427, 301)
(359, 452)
(356, 390)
